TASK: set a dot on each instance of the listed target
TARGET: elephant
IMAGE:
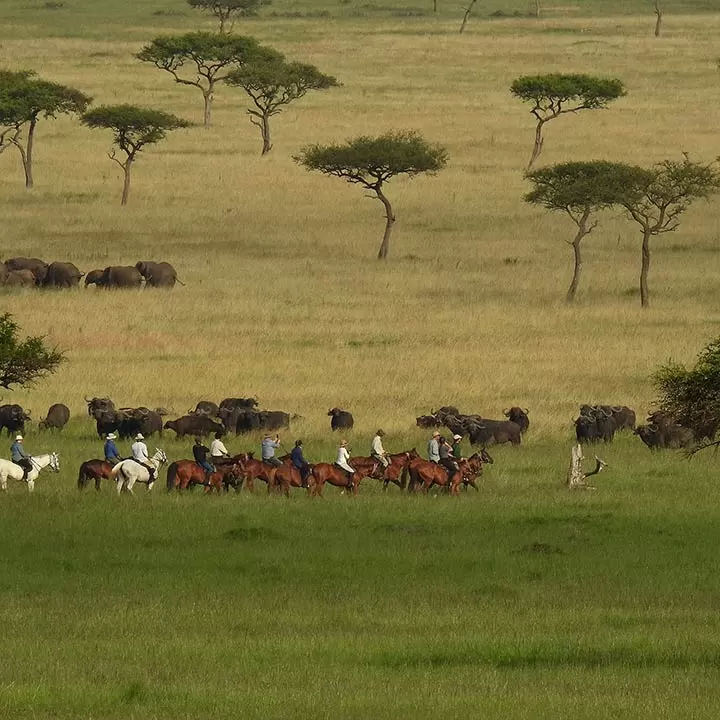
(62, 275)
(19, 278)
(115, 276)
(160, 274)
(36, 266)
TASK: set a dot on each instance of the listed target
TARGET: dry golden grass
(284, 298)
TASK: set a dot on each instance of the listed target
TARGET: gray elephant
(156, 274)
(36, 266)
(62, 275)
(115, 276)
(19, 278)
(94, 277)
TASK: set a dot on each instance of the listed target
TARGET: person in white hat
(20, 456)
(434, 448)
(343, 459)
(140, 455)
(456, 447)
(112, 455)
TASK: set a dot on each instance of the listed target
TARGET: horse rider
(299, 461)
(269, 446)
(20, 456)
(457, 447)
(434, 448)
(200, 453)
(343, 460)
(378, 451)
(218, 451)
(447, 459)
(140, 455)
(112, 455)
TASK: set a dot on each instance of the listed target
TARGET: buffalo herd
(33, 272)
(239, 415)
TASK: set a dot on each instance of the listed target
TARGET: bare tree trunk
(645, 269)
(27, 156)
(468, 10)
(126, 182)
(434, 6)
(389, 222)
(583, 230)
(537, 8)
(658, 21)
(537, 148)
(265, 129)
(208, 97)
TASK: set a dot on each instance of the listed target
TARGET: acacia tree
(655, 199)
(24, 361)
(207, 58)
(579, 189)
(24, 100)
(272, 84)
(133, 128)
(555, 95)
(372, 162)
(228, 11)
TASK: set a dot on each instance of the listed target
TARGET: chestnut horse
(252, 469)
(393, 473)
(96, 470)
(424, 474)
(183, 474)
(325, 473)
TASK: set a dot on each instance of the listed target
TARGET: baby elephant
(115, 276)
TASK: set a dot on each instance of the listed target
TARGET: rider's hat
(380, 432)
(139, 436)
(18, 437)
(343, 443)
(111, 436)
(457, 437)
(436, 433)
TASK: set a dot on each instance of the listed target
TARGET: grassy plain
(524, 601)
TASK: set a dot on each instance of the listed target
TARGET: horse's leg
(3, 481)
(31, 485)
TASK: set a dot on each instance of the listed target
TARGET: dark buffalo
(62, 275)
(586, 429)
(445, 410)
(595, 424)
(56, 418)
(244, 421)
(623, 415)
(139, 420)
(36, 266)
(233, 403)
(205, 407)
(107, 421)
(274, 419)
(340, 419)
(13, 418)
(494, 432)
(671, 435)
(518, 416)
(428, 421)
(99, 405)
(194, 425)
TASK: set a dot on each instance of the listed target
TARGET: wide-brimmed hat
(457, 437)
(343, 442)
(380, 432)
(18, 437)
(436, 433)
(139, 436)
(111, 436)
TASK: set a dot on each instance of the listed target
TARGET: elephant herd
(33, 272)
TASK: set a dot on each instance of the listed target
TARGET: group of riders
(440, 451)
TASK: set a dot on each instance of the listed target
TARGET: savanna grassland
(523, 600)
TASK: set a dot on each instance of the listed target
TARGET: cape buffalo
(490, 432)
(518, 416)
(340, 419)
(194, 425)
(13, 418)
(56, 418)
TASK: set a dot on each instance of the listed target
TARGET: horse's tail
(171, 475)
(404, 477)
(82, 477)
(115, 471)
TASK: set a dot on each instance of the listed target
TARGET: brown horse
(183, 474)
(325, 473)
(424, 474)
(96, 470)
(394, 473)
(252, 469)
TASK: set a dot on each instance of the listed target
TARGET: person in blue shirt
(20, 456)
(269, 446)
(299, 461)
(112, 455)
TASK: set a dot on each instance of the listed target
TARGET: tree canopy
(692, 396)
(579, 189)
(373, 161)
(227, 11)
(557, 94)
(133, 128)
(272, 83)
(206, 58)
(22, 362)
(24, 100)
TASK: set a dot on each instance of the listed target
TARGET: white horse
(9, 469)
(128, 472)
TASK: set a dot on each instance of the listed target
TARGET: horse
(322, 473)
(96, 470)
(425, 474)
(253, 469)
(9, 469)
(394, 473)
(182, 474)
(127, 472)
